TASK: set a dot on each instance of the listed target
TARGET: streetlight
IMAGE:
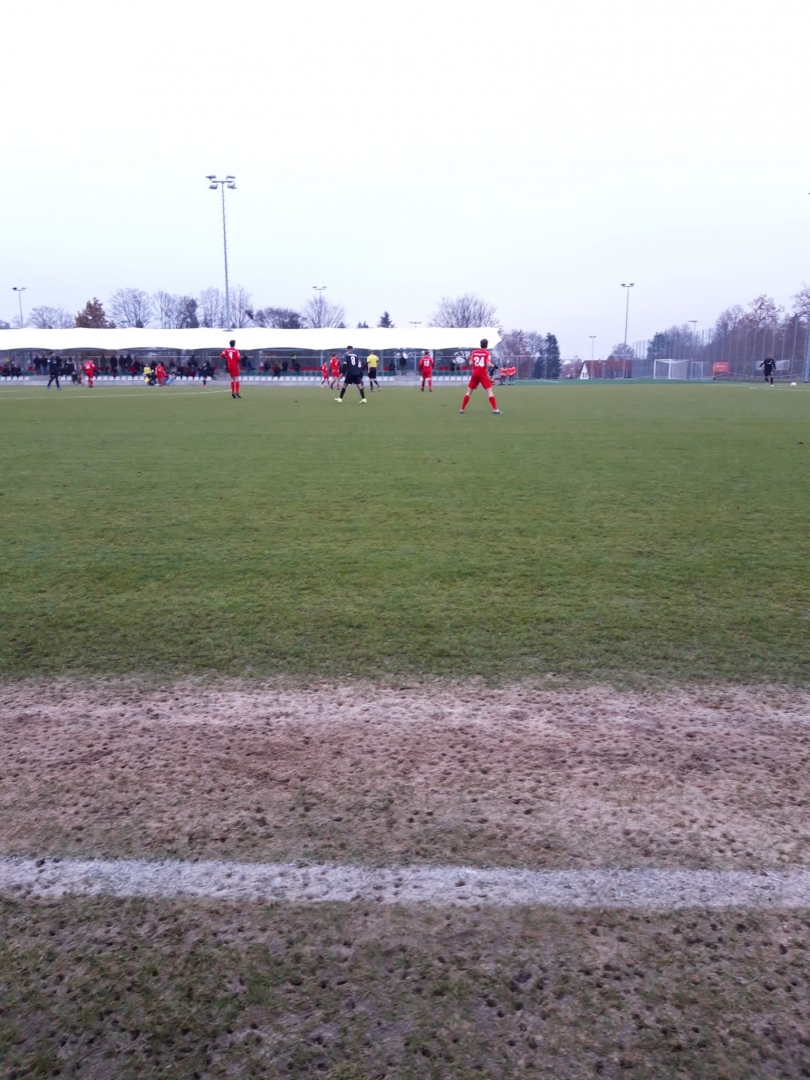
(213, 184)
(593, 339)
(627, 307)
(19, 290)
(319, 289)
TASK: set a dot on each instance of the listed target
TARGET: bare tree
(466, 310)
(241, 307)
(211, 308)
(801, 302)
(318, 311)
(622, 351)
(50, 318)
(165, 309)
(763, 311)
(131, 307)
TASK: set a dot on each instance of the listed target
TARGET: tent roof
(428, 337)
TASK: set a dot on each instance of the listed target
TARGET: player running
(325, 378)
(480, 360)
(768, 367)
(207, 372)
(232, 357)
(373, 363)
(426, 371)
(89, 368)
(352, 375)
(54, 371)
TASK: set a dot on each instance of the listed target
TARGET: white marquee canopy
(428, 337)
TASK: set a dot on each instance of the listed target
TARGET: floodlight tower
(19, 290)
(230, 183)
(593, 339)
(627, 307)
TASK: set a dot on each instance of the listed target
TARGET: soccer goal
(671, 369)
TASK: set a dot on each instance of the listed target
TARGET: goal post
(671, 369)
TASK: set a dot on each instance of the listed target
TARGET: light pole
(593, 339)
(230, 183)
(627, 307)
(693, 324)
(320, 289)
(19, 290)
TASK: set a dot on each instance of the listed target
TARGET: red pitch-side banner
(720, 368)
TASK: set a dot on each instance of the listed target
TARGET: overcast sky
(538, 154)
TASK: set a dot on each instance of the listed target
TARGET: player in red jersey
(325, 380)
(480, 360)
(160, 373)
(426, 371)
(89, 368)
(231, 357)
(334, 368)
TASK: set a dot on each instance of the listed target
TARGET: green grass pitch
(603, 532)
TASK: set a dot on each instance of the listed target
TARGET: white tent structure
(252, 338)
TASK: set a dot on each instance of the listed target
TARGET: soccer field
(602, 532)
(375, 866)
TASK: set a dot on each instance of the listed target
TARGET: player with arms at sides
(54, 370)
(325, 379)
(373, 363)
(352, 375)
(480, 360)
(426, 371)
(89, 368)
(334, 369)
(768, 367)
(207, 372)
(231, 357)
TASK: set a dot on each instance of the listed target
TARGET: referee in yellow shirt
(373, 361)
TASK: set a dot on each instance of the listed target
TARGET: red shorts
(479, 377)
(233, 372)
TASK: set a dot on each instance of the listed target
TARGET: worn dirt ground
(557, 778)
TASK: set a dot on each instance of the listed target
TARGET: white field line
(440, 886)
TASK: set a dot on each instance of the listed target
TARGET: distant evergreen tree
(93, 317)
(386, 321)
(551, 357)
(362, 326)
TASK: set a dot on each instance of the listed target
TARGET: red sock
(493, 402)
(236, 386)
(465, 402)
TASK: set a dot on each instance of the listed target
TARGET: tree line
(131, 307)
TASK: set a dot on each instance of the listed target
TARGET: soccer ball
(793, 384)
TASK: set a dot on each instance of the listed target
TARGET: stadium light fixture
(19, 290)
(320, 289)
(593, 339)
(628, 286)
(230, 183)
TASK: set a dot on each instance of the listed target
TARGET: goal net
(671, 369)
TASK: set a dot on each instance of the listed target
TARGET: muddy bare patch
(560, 779)
(153, 988)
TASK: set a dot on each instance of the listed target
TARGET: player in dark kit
(54, 371)
(352, 375)
(768, 367)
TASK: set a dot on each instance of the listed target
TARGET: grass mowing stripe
(635, 533)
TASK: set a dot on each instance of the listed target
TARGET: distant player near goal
(480, 359)
(426, 371)
(325, 380)
(768, 367)
(232, 357)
